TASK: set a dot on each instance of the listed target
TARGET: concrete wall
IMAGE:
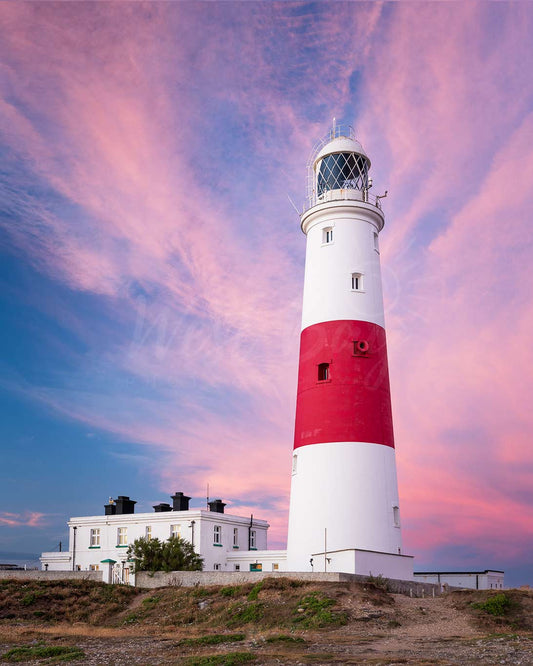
(52, 575)
(193, 578)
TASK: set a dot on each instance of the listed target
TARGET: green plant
(150, 601)
(230, 591)
(313, 612)
(244, 614)
(28, 599)
(284, 638)
(55, 652)
(175, 554)
(254, 592)
(498, 604)
(213, 639)
(230, 659)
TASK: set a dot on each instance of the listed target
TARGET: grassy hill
(276, 621)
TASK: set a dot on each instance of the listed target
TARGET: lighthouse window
(376, 242)
(323, 372)
(342, 171)
(327, 235)
(396, 515)
(357, 282)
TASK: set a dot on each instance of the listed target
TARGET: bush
(176, 554)
(498, 604)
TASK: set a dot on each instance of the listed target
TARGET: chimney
(217, 506)
(181, 502)
(124, 505)
(162, 506)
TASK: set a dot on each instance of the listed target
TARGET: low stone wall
(193, 578)
(52, 575)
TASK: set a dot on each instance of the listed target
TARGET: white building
(225, 542)
(489, 579)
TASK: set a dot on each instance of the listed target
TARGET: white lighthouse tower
(344, 508)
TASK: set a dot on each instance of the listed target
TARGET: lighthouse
(344, 509)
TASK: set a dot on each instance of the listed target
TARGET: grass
(245, 614)
(54, 653)
(229, 659)
(63, 600)
(254, 592)
(314, 612)
(286, 639)
(212, 639)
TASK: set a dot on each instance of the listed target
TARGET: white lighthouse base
(365, 563)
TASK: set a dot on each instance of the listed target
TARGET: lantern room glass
(342, 171)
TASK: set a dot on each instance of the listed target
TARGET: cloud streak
(150, 171)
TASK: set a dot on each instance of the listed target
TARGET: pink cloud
(26, 519)
(444, 119)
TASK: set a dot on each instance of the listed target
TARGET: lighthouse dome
(338, 163)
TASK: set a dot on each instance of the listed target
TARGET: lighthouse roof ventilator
(344, 509)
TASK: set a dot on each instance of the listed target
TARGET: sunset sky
(151, 264)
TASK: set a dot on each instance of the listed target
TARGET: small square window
(323, 372)
(237, 567)
(357, 282)
(327, 235)
(216, 567)
(275, 567)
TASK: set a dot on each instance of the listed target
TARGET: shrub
(498, 604)
(175, 554)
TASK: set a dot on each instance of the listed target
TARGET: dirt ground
(306, 624)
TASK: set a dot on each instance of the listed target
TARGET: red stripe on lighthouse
(343, 385)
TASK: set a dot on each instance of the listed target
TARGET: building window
(253, 539)
(323, 372)
(217, 535)
(122, 536)
(357, 282)
(237, 567)
(294, 464)
(275, 567)
(148, 532)
(216, 567)
(396, 516)
(94, 567)
(175, 530)
(327, 235)
(376, 242)
(235, 537)
(95, 538)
